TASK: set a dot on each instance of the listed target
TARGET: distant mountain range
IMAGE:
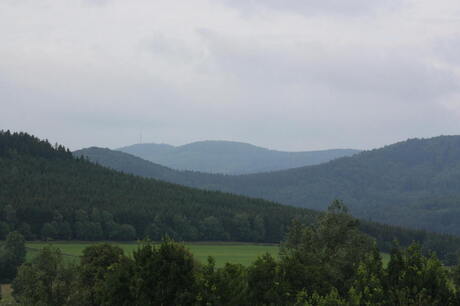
(49, 194)
(415, 183)
(228, 157)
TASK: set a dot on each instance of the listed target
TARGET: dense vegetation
(47, 193)
(12, 255)
(412, 184)
(131, 164)
(229, 157)
(328, 263)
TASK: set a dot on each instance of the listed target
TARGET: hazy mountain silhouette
(229, 157)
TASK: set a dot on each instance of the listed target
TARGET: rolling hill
(228, 157)
(131, 164)
(414, 183)
(47, 193)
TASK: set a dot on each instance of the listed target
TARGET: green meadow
(242, 253)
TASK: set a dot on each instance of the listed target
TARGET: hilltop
(229, 157)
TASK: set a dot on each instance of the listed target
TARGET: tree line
(328, 263)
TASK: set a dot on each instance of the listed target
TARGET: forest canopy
(46, 193)
(413, 183)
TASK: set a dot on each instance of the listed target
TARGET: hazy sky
(290, 74)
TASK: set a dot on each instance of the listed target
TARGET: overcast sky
(289, 75)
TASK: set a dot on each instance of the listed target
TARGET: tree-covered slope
(131, 164)
(45, 192)
(415, 183)
(229, 157)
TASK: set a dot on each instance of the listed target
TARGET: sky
(289, 75)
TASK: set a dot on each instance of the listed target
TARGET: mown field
(223, 252)
(242, 253)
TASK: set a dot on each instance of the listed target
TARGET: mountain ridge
(413, 183)
(229, 157)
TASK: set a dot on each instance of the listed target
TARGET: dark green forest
(329, 263)
(46, 193)
(413, 184)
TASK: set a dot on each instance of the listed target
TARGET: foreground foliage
(12, 255)
(328, 263)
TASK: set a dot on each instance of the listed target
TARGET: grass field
(241, 253)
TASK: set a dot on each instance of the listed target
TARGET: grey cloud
(100, 3)
(449, 49)
(401, 77)
(114, 120)
(282, 79)
(313, 7)
(394, 73)
(340, 94)
(172, 48)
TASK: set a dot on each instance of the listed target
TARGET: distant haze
(291, 75)
(230, 157)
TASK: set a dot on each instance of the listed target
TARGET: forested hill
(131, 164)
(228, 157)
(415, 183)
(47, 193)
